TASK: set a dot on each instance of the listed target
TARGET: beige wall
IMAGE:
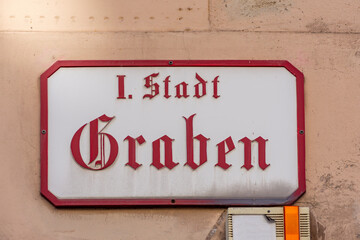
(321, 38)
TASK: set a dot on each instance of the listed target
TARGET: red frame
(169, 202)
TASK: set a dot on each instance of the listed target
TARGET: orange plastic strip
(291, 223)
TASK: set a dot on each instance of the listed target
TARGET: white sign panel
(178, 132)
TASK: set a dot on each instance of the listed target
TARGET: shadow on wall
(218, 231)
(317, 230)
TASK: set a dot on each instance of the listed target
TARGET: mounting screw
(171, 62)
(268, 211)
(301, 131)
(43, 131)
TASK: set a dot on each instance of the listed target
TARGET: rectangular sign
(118, 133)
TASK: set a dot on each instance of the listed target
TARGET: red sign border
(173, 202)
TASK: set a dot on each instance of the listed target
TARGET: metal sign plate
(118, 133)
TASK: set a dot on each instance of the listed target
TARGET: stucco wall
(321, 38)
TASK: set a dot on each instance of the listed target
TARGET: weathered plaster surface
(324, 45)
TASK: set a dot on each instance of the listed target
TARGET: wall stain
(263, 4)
(318, 26)
(253, 8)
(338, 184)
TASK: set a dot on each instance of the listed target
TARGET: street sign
(118, 133)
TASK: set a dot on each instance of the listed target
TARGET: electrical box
(272, 223)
